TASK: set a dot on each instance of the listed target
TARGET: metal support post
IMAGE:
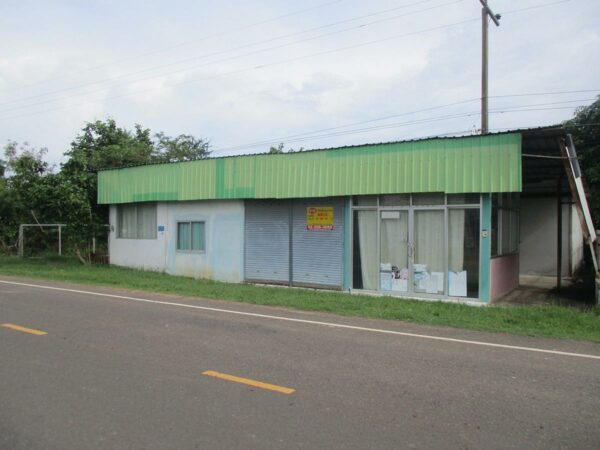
(559, 234)
(20, 243)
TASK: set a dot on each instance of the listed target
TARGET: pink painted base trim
(504, 275)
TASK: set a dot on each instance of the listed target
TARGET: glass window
(505, 223)
(127, 221)
(431, 250)
(183, 236)
(190, 236)
(198, 236)
(146, 221)
(364, 274)
(429, 198)
(136, 221)
(365, 200)
(463, 199)
(395, 200)
(429, 266)
(393, 267)
(463, 253)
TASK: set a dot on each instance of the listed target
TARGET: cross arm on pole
(488, 10)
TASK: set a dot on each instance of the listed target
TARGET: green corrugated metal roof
(489, 163)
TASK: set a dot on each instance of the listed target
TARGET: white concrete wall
(224, 227)
(538, 228)
(147, 254)
(224, 233)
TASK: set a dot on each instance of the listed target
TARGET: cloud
(234, 97)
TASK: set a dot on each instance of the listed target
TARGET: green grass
(550, 321)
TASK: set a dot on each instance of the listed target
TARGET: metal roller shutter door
(318, 255)
(267, 241)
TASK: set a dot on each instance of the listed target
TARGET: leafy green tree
(23, 194)
(104, 145)
(7, 216)
(32, 191)
(585, 128)
(184, 147)
(100, 145)
(281, 149)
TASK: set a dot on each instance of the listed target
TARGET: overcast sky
(244, 72)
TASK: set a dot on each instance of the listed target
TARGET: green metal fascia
(454, 165)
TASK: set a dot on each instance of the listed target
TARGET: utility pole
(485, 13)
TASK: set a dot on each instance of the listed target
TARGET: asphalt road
(121, 373)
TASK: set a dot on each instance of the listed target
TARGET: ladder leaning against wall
(577, 189)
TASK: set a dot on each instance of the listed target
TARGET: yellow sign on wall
(319, 218)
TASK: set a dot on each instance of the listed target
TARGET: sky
(246, 75)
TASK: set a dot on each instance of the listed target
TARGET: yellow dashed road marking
(12, 326)
(249, 382)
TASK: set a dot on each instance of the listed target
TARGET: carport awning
(542, 161)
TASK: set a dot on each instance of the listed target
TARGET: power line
(231, 58)
(313, 135)
(563, 102)
(234, 72)
(581, 91)
(257, 67)
(195, 41)
(288, 137)
(529, 8)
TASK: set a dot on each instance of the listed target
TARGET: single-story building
(450, 218)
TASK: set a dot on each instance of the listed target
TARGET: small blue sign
(161, 228)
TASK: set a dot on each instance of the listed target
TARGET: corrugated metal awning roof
(490, 163)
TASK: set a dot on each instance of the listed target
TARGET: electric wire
(234, 72)
(260, 66)
(252, 44)
(182, 44)
(311, 136)
(230, 58)
(318, 54)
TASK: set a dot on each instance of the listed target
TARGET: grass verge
(550, 321)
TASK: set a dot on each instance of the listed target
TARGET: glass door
(428, 244)
(394, 252)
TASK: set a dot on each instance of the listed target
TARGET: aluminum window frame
(119, 208)
(411, 208)
(513, 207)
(190, 250)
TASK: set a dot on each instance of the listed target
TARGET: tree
(281, 149)
(104, 145)
(23, 195)
(184, 147)
(585, 128)
(7, 215)
(276, 150)
(100, 145)
(32, 190)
